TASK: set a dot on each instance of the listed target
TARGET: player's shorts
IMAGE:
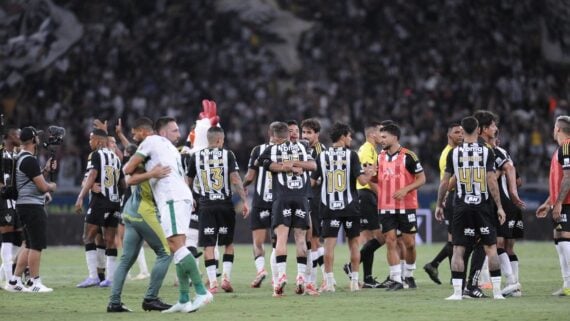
(34, 221)
(563, 225)
(9, 217)
(448, 210)
(175, 217)
(315, 208)
(291, 212)
(259, 218)
(513, 228)
(217, 224)
(471, 222)
(351, 225)
(194, 221)
(369, 219)
(104, 216)
(403, 220)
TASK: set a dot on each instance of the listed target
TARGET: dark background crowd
(420, 63)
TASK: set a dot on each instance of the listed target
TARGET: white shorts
(175, 217)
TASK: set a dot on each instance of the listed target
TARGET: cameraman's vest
(28, 192)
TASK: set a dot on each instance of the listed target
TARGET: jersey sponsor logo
(472, 199)
(295, 184)
(335, 223)
(264, 214)
(287, 212)
(216, 197)
(300, 213)
(511, 224)
(484, 230)
(469, 232)
(223, 230)
(348, 224)
(209, 230)
(476, 149)
(563, 218)
(337, 205)
(411, 217)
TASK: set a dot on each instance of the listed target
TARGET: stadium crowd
(417, 63)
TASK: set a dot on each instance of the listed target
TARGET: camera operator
(32, 186)
(10, 226)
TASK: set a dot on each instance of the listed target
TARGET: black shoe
(370, 283)
(411, 282)
(395, 286)
(475, 293)
(432, 272)
(114, 307)
(348, 270)
(154, 305)
(386, 284)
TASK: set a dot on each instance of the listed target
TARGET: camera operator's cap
(29, 133)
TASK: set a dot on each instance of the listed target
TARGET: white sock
(141, 259)
(457, 287)
(227, 269)
(260, 263)
(565, 249)
(192, 237)
(15, 250)
(91, 259)
(101, 259)
(301, 269)
(111, 266)
(485, 276)
(496, 281)
(409, 271)
(274, 269)
(6, 254)
(282, 268)
(396, 273)
(321, 251)
(506, 268)
(515, 268)
(211, 271)
(403, 267)
(330, 278)
(354, 276)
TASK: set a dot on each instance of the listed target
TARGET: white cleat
(19, 287)
(354, 286)
(498, 297)
(179, 307)
(200, 301)
(454, 297)
(39, 288)
(510, 288)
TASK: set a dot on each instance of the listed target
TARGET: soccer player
(454, 138)
(293, 131)
(260, 215)
(371, 237)
(217, 172)
(558, 202)
(142, 224)
(104, 167)
(10, 226)
(311, 128)
(30, 207)
(173, 199)
(400, 174)
(472, 164)
(339, 168)
(289, 164)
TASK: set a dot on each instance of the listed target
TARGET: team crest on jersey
(411, 217)
(223, 230)
(8, 218)
(335, 223)
(287, 212)
(264, 214)
(469, 232)
(209, 231)
(300, 213)
(520, 225)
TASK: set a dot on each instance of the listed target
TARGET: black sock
(367, 256)
(446, 251)
(477, 260)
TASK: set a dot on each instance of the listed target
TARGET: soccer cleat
(155, 305)
(200, 301)
(386, 283)
(117, 307)
(281, 282)
(227, 285)
(105, 284)
(557, 292)
(213, 287)
(347, 270)
(565, 292)
(395, 286)
(486, 285)
(311, 289)
(354, 286)
(39, 288)
(88, 282)
(261, 275)
(370, 283)
(15, 287)
(498, 297)
(454, 297)
(475, 293)
(300, 285)
(510, 288)
(432, 272)
(328, 288)
(179, 307)
(141, 276)
(517, 293)
(410, 282)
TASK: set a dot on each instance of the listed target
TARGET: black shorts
(291, 212)
(194, 221)
(513, 228)
(351, 225)
(34, 221)
(259, 218)
(9, 217)
(217, 225)
(104, 216)
(369, 219)
(471, 222)
(448, 210)
(563, 225)
(315, 211)
(403, 220)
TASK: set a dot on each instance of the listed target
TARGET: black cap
(28, 133)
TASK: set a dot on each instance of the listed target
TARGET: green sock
(191, 269)
(183, 284)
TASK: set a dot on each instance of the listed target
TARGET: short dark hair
(387, 122)
(143, 122)
(279, 130)
(311, 123)
(392, 129)
(99, 132)
(469, 124)
(10, 129)
(131, 149)
(453, 124)
(338, 130)
(163, 121)
(292, 122)
(486, 118)
(213, 132)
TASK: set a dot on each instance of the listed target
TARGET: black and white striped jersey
(287, 184)
(315, 151)
(263, 194)
(339, 169)
(9, 173)
(109, 174)
(501, 158)
(212, 167)
(470, 162)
